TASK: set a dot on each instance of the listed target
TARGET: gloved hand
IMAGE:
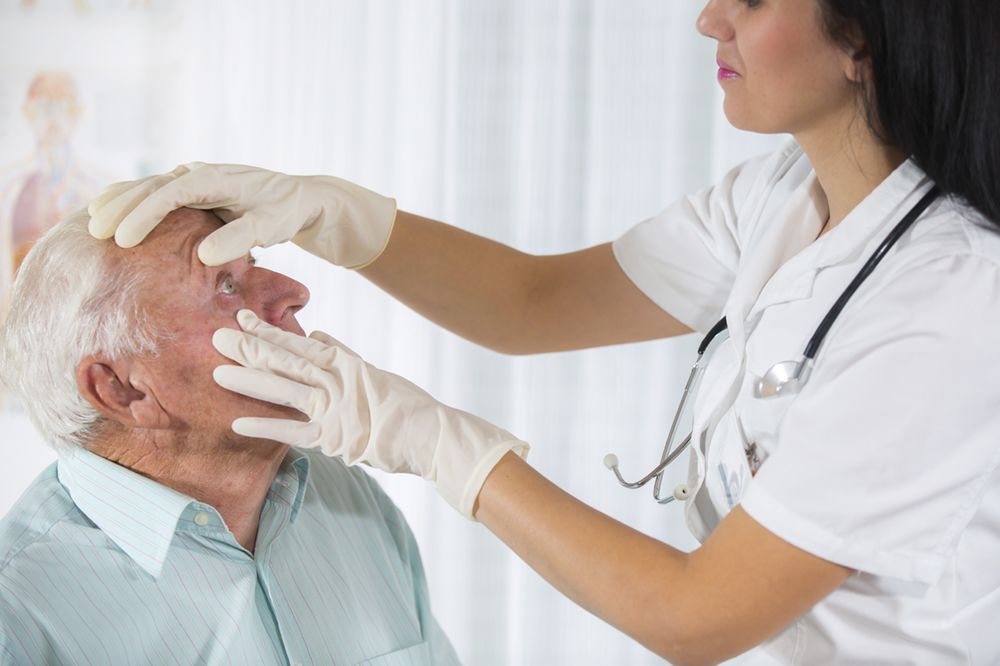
(329, 217)
(357, 411)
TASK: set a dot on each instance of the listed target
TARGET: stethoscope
(784, 378)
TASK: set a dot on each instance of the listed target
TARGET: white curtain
(550, 125)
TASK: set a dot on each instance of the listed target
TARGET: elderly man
(161, 536)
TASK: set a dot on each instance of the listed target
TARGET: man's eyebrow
(189, 251)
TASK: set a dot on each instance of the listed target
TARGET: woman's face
(779, 71)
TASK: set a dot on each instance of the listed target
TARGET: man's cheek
(260, 408)
(235, 405)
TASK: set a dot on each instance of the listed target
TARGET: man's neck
(232, 479)
(850, 162)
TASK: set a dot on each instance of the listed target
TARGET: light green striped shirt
(100, 565)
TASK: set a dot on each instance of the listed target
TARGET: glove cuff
(385, 242)
(463, 496)
(353, 226)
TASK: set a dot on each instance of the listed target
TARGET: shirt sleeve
(884, 457)
(685, 259)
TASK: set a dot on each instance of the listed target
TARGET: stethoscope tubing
(824, 327)
(838, 306)
(803, 367)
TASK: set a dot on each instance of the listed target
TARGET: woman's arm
(738, 589)
(741, 587)
(514, 302)
(482, 290)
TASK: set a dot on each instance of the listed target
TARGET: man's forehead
(172, 243)
(176, 234)
(179, 227)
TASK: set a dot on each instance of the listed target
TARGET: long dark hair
(935, 86)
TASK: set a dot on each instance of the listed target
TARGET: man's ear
(117, 390)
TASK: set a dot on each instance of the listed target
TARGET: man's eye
(228, 287)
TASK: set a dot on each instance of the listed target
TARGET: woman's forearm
(606, 567)
(510, 301)
(739, 588)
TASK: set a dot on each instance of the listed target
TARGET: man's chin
(258, 446)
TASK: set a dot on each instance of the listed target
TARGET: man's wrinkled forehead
(176, 238)
(185, 228)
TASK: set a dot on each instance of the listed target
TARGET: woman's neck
(850, 162)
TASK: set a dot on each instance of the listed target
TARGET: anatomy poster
(51, 181)
(75, 91)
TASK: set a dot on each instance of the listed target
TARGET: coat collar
(785, 257)
(774, 242)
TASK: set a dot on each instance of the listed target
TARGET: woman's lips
(726, 73)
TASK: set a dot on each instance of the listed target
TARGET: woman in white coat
(856, 519)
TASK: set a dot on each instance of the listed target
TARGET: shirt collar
(291, 481)
(140, 515)
(137, 513)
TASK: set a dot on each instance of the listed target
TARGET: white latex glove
(329, 217)
(357, 411)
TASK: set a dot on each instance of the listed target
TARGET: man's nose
(282, 298)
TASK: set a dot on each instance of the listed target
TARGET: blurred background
(549, 125)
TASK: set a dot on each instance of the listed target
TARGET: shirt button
(201, 518)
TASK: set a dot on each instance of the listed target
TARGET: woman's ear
(117, 390)
(858, 67)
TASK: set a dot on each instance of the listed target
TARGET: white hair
(69, 300)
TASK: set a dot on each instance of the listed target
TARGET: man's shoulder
(338, 489)
(337, 483)
(44, 505)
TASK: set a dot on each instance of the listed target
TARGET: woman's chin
(747, 122)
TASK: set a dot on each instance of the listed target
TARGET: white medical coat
(888, 460)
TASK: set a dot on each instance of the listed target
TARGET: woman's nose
(712, 21)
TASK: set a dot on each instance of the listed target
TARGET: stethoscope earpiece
(681, 492)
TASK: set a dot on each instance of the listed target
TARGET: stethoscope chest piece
(785, 378)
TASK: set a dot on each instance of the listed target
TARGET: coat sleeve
(685, 258)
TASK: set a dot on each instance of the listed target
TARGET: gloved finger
(318, 352)
(107, 214)
(253, 352)
(114, 190)
(262, 385)
(232, 240)
(293, 433)
(110, 193)
(331, 341)
(203, 187)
